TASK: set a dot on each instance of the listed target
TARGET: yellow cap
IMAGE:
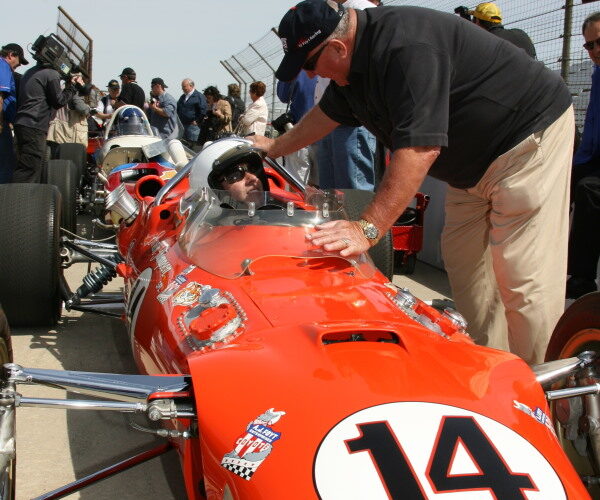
(487, 11)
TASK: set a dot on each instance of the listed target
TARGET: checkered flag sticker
(254, 445)
(236, 466)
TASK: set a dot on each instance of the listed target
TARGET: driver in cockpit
(239, 171)
(129, 122)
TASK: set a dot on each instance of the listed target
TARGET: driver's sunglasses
(311, 63)
(590, 45)
(238, 172)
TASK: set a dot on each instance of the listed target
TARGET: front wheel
(63, 175)
(578, 330)
(29, 256)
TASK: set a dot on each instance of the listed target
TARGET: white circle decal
(417, 450)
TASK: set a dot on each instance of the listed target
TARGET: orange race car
(278, 370)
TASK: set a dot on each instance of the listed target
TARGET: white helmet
(202, 163)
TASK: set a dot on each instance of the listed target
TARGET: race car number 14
(428, 450)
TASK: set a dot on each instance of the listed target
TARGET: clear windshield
(231, 238)
(128, 120)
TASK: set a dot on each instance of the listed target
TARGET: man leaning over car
(446, 102)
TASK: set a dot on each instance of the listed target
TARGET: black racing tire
(46, 159)
(355, 202)
(29, 258)
(404, 264)
(75, 152)
(8, 475)
(63, 175)
(6, 354)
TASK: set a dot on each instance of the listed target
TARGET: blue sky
(172, 39)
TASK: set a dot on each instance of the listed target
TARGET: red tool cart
(407, 235)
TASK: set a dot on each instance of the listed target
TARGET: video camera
(49, 50)
(463, 12)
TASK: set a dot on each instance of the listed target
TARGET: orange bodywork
(321, 361)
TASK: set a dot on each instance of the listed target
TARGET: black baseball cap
(113, 84)
(17, 49)
(128, 72)
(158, 81)
(303, 28)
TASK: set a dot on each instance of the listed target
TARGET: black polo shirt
(421, 77)
(132, 93)
(39, 95)
(516, 37)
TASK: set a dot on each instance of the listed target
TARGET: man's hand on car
(262, 142)
(342, 236)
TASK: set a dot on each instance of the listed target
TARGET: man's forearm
(312, 127)
(401, 181)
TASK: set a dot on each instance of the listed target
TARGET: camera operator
(487, 15)
(69, 124)
(40, 94)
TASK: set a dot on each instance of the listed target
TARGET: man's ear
(340, 47)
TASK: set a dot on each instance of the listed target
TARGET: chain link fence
(78, 43)
(553, 25)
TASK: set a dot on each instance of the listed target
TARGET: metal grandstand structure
(553, 25)
(78, 43)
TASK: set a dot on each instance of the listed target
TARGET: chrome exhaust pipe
(122, 204)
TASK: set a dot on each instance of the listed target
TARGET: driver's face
(241, 189)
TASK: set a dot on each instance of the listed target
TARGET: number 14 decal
(400, 480)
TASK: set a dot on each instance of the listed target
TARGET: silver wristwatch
(369, 230)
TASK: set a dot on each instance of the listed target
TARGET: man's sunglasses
(590, 45)
(238, 172)
(311, 63)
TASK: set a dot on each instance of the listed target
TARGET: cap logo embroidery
(302, 43)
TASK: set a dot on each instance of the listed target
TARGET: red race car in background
(278, 370)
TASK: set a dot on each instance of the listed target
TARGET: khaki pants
(505, 243)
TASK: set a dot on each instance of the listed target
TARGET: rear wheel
(355, 202)
(29, 257)
(63, 175)
(577, 330)
(76, 153)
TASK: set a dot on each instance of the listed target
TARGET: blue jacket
(302, 97)
(589, 148)
(8, 90)
(192, 109)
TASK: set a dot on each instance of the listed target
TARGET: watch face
(370, 231)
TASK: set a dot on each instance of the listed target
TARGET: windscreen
(226, 236)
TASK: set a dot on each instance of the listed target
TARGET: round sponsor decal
(430, 451)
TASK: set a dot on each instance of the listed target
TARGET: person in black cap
(40, 94)
(11, 57)
(131, 92)
(162, 112)
(441, 94)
